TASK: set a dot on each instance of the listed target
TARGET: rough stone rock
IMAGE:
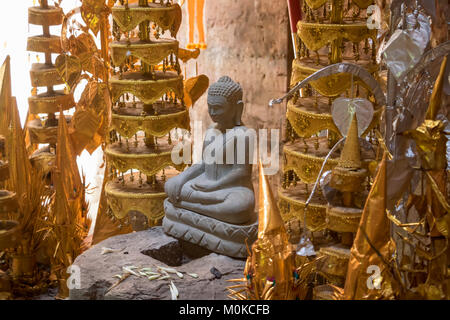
(97, 270)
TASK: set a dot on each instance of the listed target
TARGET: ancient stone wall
(248, 40)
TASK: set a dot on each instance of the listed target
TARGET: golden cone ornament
(371, 246)
(271, 264)
(70, 176)
(19, 164)
(350, 156)
(5, 96)
(436, 96)
(70, 221)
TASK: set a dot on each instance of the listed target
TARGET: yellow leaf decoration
(194, 88)
(91, 12)
(90, 121)
(69, 68)
(82, 44)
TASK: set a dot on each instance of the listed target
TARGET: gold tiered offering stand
(331, 31)
(147, 93)
(349, 178)
(44, 130)
(9, 229)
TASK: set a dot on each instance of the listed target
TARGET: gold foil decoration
(65, 240)
(158, 126)
(317, 35)
(343, 219)
(69, 69)
(5, 96)
(316, 4)
(66, 161)
(91, 120)
(71, 223)
(92, 12)
(292, 206)
(40, 134)
(19, 164)
(167, 18)
(186, 55)
(371, 245)
(306, 123)
(329, 86)
(350, 154)
(270, 266)
(305, 166)
(151, 53)
(148, 91)
(43, 75)
(436, 96)
(45, 103)
(431, 144)
(105, 227)
(134, 158)
(122, 200)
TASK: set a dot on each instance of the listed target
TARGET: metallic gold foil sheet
(186, 55)
(348, 179)
(431, 144)
(436, 96)
(43, 160)
(271, 264)
(372, 243)
(194, 88)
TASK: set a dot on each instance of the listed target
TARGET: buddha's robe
(234, 203)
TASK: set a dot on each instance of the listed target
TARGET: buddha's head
(225, 103)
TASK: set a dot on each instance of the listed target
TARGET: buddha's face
(221, 111)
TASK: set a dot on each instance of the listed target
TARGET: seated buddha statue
(212, 202)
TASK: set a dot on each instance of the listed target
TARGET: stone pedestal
(212, 234)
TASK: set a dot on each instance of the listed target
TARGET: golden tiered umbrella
(327, 34)
(270, 267)
(44, 131)
(148, 96)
